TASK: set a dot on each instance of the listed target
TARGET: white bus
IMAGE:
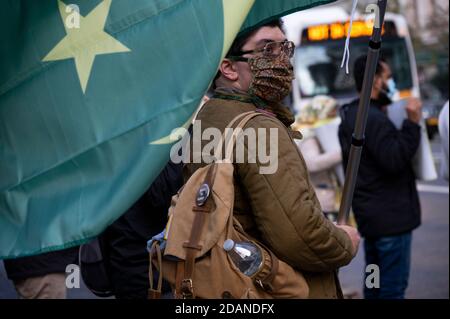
(320, 34)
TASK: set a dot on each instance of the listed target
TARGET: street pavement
(429, 278)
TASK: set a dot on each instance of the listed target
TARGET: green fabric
(79, 109)
(265, 10)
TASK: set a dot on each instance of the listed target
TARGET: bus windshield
(318, 71)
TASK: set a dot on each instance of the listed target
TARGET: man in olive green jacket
(280, 208)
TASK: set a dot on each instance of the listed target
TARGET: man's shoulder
(374, 113)
(354, 105)
(349, 109)
(223, 110)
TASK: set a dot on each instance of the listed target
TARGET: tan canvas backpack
(191, 256)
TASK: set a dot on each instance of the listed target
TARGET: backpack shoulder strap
(229, 142)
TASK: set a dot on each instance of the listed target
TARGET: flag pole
(363, 111)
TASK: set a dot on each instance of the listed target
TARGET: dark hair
(242, 38)
(360, 67)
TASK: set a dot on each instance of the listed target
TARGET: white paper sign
(423, 163)
(328, 137)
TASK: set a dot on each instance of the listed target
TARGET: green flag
(88, 100)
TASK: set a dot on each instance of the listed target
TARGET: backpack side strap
(265, 278)
(155, 293)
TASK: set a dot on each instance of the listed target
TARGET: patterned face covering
(271, 77)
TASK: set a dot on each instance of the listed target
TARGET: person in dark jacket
(386, 202)
(123, 246)
(124, 242)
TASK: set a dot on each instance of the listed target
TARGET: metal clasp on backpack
(266, 287)
(187, 289)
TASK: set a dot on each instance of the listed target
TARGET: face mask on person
(387, 93)
(391, 88)
(271, 77)
(272, 71)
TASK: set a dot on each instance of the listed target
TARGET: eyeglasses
(271, 49)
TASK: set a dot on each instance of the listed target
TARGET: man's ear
(228, 70)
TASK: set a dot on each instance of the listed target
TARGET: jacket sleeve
(286, 210)
(393, 149)
(166, 184)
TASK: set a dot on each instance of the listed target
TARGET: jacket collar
(280, 111)
(373, 103)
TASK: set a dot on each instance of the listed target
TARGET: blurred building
(429, 18)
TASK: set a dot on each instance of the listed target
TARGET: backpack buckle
(187, 289)
(265, 286)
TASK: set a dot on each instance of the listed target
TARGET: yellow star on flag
(85, 42)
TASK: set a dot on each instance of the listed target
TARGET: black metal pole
(361, 119)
